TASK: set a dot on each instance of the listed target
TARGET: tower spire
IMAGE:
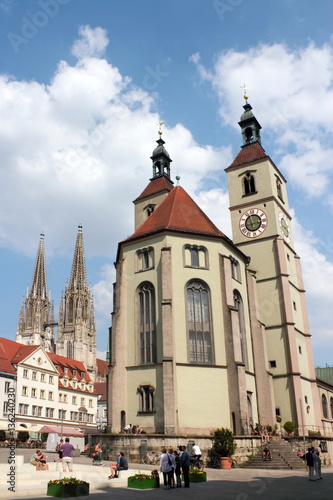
(248, 123)
(161, 158)
(78, 279)
(36, 310)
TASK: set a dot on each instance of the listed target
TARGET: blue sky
(83, 85)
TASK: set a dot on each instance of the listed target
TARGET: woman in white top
(166, 468)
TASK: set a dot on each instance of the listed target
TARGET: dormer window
(74, 373)
(82, 374)
(66, 371)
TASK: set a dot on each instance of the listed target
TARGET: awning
(64, 431)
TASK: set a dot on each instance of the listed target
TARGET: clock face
(285, 232)
(253, 223)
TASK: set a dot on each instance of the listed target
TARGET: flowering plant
(195, 471)
(141, 477)
(67, 480)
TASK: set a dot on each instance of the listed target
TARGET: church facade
(209, 332)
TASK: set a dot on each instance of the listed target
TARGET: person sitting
(128, 428)
(196, 452)
(120, 465)
(41, 459)
(35, 462)
(266, 454)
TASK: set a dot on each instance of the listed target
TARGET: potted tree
(225, 446)
(289, 428)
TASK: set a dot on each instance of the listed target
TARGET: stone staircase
(284, 456)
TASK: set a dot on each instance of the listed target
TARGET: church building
(209, 332)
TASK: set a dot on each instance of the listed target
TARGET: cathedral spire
(36, 310)
(249, 124)
(38, 284)
(78, 279)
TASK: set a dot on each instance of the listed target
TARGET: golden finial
(245, 94)
(160, 127)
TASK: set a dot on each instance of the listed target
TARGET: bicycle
(196, 463)
(150, 458)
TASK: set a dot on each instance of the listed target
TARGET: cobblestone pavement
(235, 484)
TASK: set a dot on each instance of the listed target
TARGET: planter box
(143, 484)
(67, 490)
(197, 478)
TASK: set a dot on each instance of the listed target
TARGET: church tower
(76, 330)
(36, 318)
(261, 228)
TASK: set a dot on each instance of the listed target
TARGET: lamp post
(62, 421)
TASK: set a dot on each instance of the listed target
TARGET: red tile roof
(248, 154)
(14, 352)
(178, 212)
(102, 367)
(100, 387)
(155, 186)
(71, 364)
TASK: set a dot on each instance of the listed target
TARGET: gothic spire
(38, 284)
(78, 279)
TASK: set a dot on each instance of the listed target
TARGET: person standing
(67, 453)
(177, 469)
(185, 465)
(58, 450)
(310, 463)
(166, 468)
(319, 476)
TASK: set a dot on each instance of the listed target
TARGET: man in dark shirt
(185, 465)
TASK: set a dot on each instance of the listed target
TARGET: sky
(83, 85)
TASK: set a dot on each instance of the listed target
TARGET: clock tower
(261, 227)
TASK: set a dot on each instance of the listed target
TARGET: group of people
(133, 429)
(65, 452)
(173, 463)
(313, 462)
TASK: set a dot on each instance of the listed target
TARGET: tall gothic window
(147, 323)
(249, 183)
(238, 304)
(199, 322)
(324, 405)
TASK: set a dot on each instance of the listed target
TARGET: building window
(34, 376)
(324, 406)
(306, 399)
(272, 364)
(65, 382)
(300, 349)
(90, 403)
(83, 402)
(195, 256)
(33, 392)
(145, 259)
(74, 384)
(42, 377)
(74, 373)
(149, 209)
(147, 323)
(49, 412)
(50, 397)
(5, 408)
(25, 373)
(146, 399)
(66, 371)
(23, 409)
(82, 387)
(331, 404)
(277, 412)
(235, 270)
(50, 379)
(279, 188)
(238, 304)
(82, 374)
(62, 414)
(7, 387)
(199, 322)
(294, 306)
(73, 400)
(24, 390)
(249, 185)
(65, 398)
(42, 394)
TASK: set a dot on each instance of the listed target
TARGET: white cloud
(92, 42)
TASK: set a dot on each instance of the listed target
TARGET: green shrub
(224, 442)
(289, 427)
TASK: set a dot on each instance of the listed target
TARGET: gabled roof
(102, 367)
(100, 387)
(15, 352)
(155, 186)
(247, 154)
(71, 364)
(178, 212)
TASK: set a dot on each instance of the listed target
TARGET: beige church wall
(205, 403)
(269, 303)
(276, 348)
(283, 398)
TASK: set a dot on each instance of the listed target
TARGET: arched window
(249, 183)
(147, 323)
(324, 405)
(146, 399)
(195, 256)
(145, 259)
(331, 401)
(70, 310)
(199, 322)
(238, 304)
